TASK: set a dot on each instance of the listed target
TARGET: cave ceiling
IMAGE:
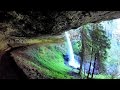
(33, 23)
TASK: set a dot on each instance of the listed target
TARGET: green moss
(45, 72)
(50, 74)
(76, 48)
(51, 62)
(102, 76)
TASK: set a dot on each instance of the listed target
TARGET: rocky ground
(9, 68)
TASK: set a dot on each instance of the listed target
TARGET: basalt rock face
(33, 23)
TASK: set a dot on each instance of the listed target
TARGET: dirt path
(8, 67)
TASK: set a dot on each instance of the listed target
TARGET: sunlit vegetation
(48, 61)
(107, 43)
(102, 76)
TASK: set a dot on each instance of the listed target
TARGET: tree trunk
(98, 66)
(82, 54)
(94, 65)
(90, 65)
(81, 63)
(89, 69)
(84, 70)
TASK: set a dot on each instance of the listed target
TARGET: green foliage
(50, 73)
(95, 42)
(102, 76)
(77, 47)
(52, 60)
(87, 40)
(100, 41)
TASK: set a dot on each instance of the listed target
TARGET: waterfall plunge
(72, 62)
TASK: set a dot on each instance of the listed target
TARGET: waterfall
(72, 62)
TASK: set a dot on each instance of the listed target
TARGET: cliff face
(32, 23)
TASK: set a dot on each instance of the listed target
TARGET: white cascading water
(72, 62)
